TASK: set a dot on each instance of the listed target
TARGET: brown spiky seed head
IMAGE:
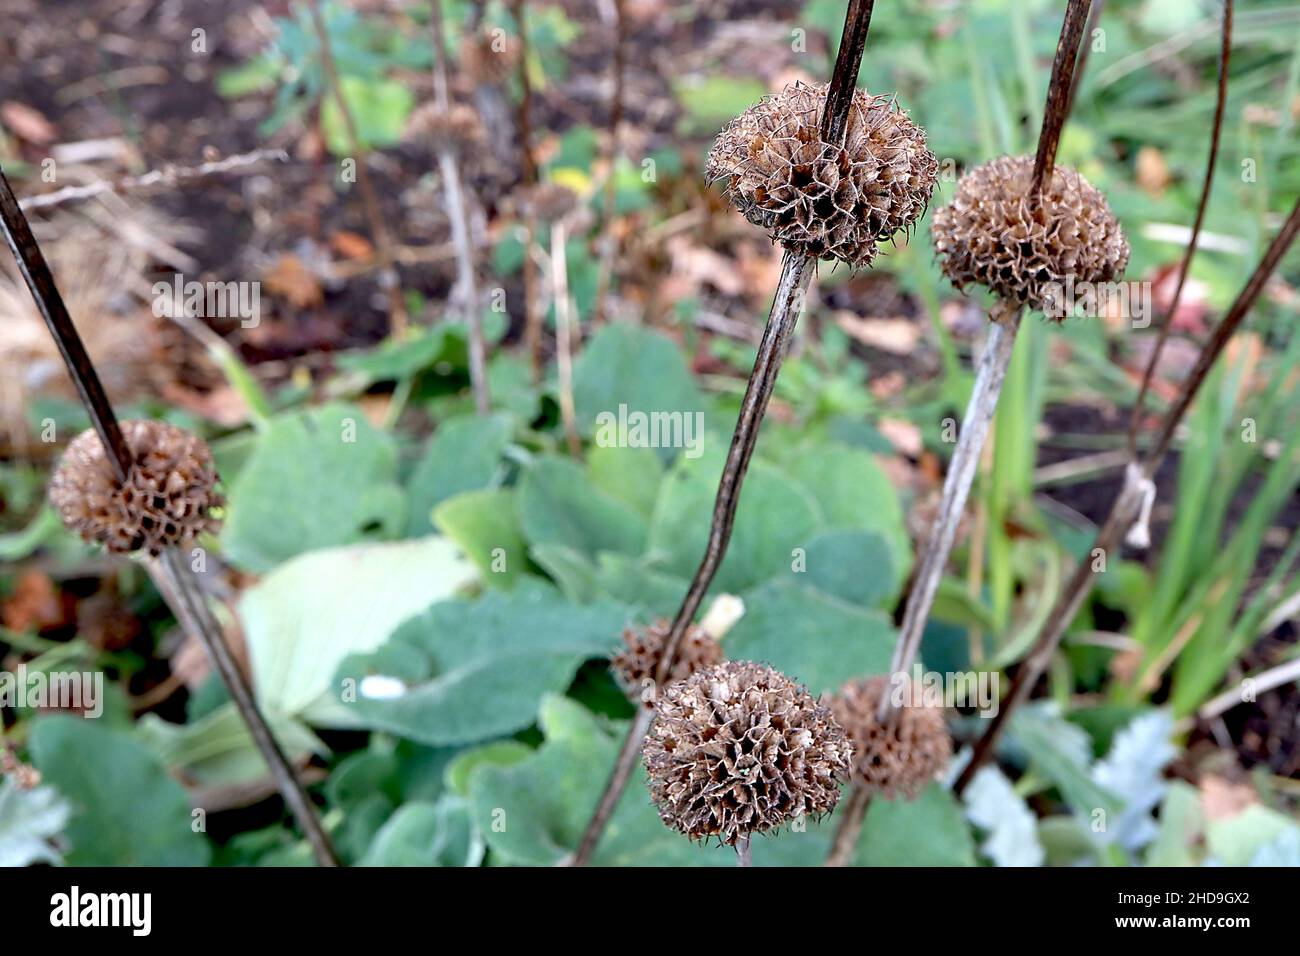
(635, 665)
(458, 127)
(549, 202)
(740, 748)
(489, 57)
(167, 499)
(901, 756)
(991, 234)
(829, 201)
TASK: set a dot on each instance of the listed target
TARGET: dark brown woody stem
(1058, 93)
(844, 78)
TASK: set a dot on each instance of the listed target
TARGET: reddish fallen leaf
(289, 279)
(27, 123)
(351, 245)
(1152, 171)
(34, 604)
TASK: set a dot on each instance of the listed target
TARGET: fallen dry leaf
(903, 435)
(897, 336)
(1152, 171)
(34, 604)
(27, 123)
(351, 245)
(293, 281)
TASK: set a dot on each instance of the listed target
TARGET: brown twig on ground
(388, 276)
(1216, 131)
(1125, 506)
(168, 176)
(176, 582)
(458, 215)
(607, 239)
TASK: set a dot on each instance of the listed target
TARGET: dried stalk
(744, 856)
(796, 271)
(565, 320)
(458, 215)
(388, 277)
(1225, 54)
(607, 240)
(169, 176)
(177, 584)
(852, 814)
(1125, 507)
(533, 316)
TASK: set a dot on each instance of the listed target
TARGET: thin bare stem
(178, 584)
(844, 78)
(388, 277)
(1058, 93)
(1125, 507)
(607, 240)
(565, 333)
(744, 857)
(166, 176)
(459, 217)
(1093, 19)
(175, 581)
(533, 317)
(851, 816)
(796, 272)
(618, 778)
(1225, 54)
(40, 282)
(975, 425)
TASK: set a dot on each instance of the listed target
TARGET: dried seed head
(457, 127)
(897, 758)
(739, 748)
(635, 665)
(992, 235)
(549, 202)
(827, 201)
(167, 499)
(489, 57)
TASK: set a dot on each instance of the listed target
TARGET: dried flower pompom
(824, 200)
(489, 57)
(457, 128)
(635, 665)
(167, 499)
(897, 758)
(740, 748)
(549, 202)
(992, 235)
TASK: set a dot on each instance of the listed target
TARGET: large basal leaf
(126, 810)
(775, 516)
(29, 821)
(560, 506)
(629, 365)
(629, 475)
(1062, 752)
(463, 455)
(532, 813)
(817, 640)
(854, 566)
(465, 671)
(316, 479)
(304, 618)
(379, 108)
(427, 834)
(927, 831)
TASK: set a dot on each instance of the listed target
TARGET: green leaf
(775, 516)
(471, 670)
(1234, 840)
(463, 455)
(854, 566)
(532, 813)
(819, 641)
(378, 107)
(316, 479)
(29, 821)
(711, 101)
(1062, 752)
(927, 831)
(630, 365)
(500, 753)
(571, 571)
(559, 505)
(306, 616)
(427, 834)
(126, 810)
(484, 523)
(629, 475)
(1182, 825)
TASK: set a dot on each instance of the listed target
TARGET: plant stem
(607, 240)
(1125, 506)
(174, 578)
(844, 77)
(744, 857)
(983, 405)
(1225, 54)
(796, 271)
(564, 335)
(618, 778)
(40, 282)
(388, 277)
(456, 212)
(1093, 19)
(533, 317)
(1058, 93)
(852, 814)
(178, 584)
